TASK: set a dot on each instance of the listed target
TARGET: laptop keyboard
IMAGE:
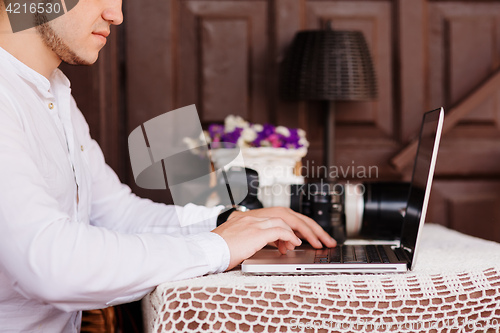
(352, 254)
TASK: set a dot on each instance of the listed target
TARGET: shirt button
(81, 147)
(51, 106)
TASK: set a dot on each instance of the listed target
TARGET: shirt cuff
(215, 249)
(192, 214)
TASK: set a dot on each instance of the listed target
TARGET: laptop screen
(423, 172)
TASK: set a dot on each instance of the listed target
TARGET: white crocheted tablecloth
(455, 287)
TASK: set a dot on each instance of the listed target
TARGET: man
(71, 236)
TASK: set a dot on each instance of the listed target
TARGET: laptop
(369, 257)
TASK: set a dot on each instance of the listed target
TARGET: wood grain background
(224, 56)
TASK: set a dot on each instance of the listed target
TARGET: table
(455, 286)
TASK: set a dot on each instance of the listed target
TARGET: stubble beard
(55, 43)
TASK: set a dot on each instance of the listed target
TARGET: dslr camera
(370, 210)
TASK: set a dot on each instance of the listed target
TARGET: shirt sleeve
(74, 266)
(115, 207)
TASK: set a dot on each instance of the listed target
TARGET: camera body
(370, 210)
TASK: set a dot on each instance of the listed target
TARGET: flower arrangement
(273, 151)
(237, 131)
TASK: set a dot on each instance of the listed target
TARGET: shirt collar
(40, 82)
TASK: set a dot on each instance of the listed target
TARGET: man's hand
(305, 227)
(247, 232)
(245, 235)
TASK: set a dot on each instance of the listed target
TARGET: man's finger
(290, 246)
(282, 247)
(284, 235)
(318, 231)
(307, 233)
(274, 222)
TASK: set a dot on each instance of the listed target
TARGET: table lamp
(328, 65)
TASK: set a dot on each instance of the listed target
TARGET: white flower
(303, 142)
(242, 143)
(257, 127)
(231, 122)
(248, 134)
(301, 133)
(283, 131)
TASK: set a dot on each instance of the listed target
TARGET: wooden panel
(452, 118)
(224, 67)
(463, 76)
(149, 60)
(412, 59)
(467, 39)
(223, 59)
(469, 157)
(150, 77)
(287, 20)
(463, 53)
(471, 207)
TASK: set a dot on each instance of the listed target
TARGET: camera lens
(354, 208)
(384, 203)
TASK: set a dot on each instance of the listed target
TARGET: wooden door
(463, 56)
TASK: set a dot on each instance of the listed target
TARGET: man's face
(77, 36)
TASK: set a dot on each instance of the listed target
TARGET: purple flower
(268, 130)
(232, 137)
(215, 130)
(265, 136)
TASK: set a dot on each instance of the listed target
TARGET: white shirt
(60, 255)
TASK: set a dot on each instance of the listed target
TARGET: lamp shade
(328, 65)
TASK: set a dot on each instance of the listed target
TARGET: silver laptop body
(373, 256)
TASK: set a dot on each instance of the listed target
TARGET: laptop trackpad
(297, 256)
